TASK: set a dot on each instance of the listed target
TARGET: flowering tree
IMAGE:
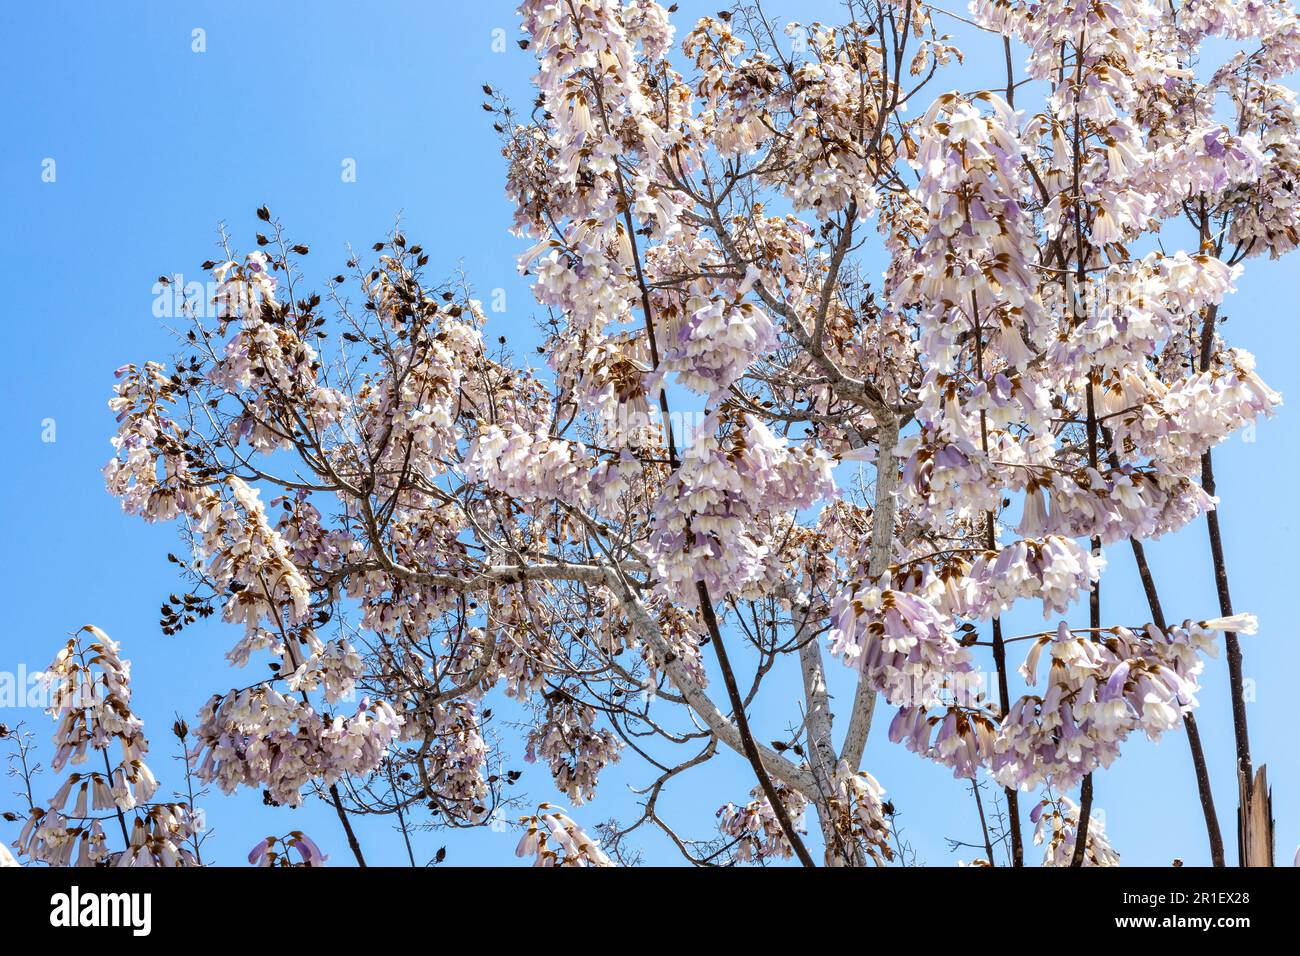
(388, 503)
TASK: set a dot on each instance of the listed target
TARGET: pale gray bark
(882, 538)
(821, 747)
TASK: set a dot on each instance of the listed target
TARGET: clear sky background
(154, 144)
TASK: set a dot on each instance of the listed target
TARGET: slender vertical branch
(742, 725)
(401, 817)
(1011, 73)
(706, 601)
(1004, 704)
(984, 824)
(347, 825)
(334, 789)
(1189, 721)
(1231, 643)
(999, 647)
(1081, 277)
(1085, 814)
(1094, 622)
(121, 817)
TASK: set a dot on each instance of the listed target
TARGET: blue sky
(154, 144)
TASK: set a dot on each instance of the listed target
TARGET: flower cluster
(90, 686)
(453, 760)
(755, 830)
(265, 853)
(859, 821)
(1056, 829)
(900, 642)
(1100, 688)
(573, 747)
(708, 519)
(261, 738)
(147, 440)
(553, 839)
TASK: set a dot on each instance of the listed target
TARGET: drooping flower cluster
(574, 749)
(553, 839)
(755, 830)
(710, 516)
(859, 821)
(900, 642)
(532, 466)
(261, 738)
(148, 441)
(1056, 830)
(1099, 689)
(265, 854)
(249, 558)
(456, 757)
